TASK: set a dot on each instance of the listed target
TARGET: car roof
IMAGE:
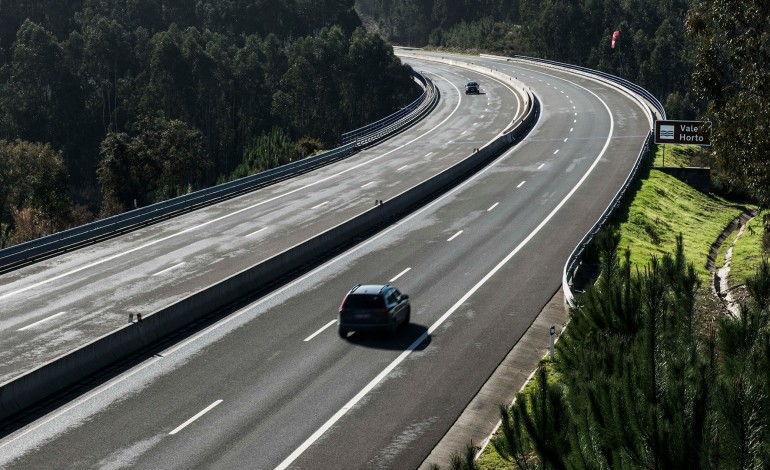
(368, 288)
(472, 83)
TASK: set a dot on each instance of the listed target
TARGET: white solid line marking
(400, 274)
(42, 321)
(556, 151)
(412, 347)
(541, 166)
(320, 205)
(368, 184)
(254, 233)
(521, 184)
(169, 269)
(320, 330)
(493, 206)
(399, 169)
(454, 236)
(200, 413)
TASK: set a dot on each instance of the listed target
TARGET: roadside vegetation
(652, 371)
(133, 102)
(646, 378)
(663, 209)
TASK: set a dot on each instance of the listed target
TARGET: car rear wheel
(343, 332)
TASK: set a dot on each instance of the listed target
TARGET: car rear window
(364, 301)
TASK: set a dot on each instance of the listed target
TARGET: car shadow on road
(405, 337)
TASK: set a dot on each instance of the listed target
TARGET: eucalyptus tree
(732, 64)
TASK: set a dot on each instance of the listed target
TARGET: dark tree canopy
(652, 50)
(98, 80)
(732, 70)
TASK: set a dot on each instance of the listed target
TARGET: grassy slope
(662, 207)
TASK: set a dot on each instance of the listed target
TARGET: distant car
(373, 307)
(472, 88)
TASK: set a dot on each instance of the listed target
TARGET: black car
(373, 307)
(472, 88)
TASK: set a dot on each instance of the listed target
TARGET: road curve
(59, 304)
(272, 386)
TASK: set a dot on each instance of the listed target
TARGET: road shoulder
(481, 416)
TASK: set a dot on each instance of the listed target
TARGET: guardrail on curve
(576, 257)
(622, 82)
(399, 120)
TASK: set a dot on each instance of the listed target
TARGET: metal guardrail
(147, 215)
(399, 120)
(576, 257)
(658, 107)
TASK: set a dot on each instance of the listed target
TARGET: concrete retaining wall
(698, 178)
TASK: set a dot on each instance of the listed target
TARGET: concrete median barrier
(68, 369)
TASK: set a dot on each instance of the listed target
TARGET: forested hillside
(652, 49)
(107, 103)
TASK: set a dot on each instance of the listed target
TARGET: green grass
(747, 254)
(679, 155)
(664, 207)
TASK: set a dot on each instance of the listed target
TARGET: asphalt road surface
(62, 303)
(273, 386)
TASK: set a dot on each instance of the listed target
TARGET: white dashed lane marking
(170, 269)
(454, 236)
(200, 413)
(56, 315)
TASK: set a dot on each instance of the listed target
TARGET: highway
(54, 306)
(273, 385)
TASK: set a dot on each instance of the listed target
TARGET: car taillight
(343, 302)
